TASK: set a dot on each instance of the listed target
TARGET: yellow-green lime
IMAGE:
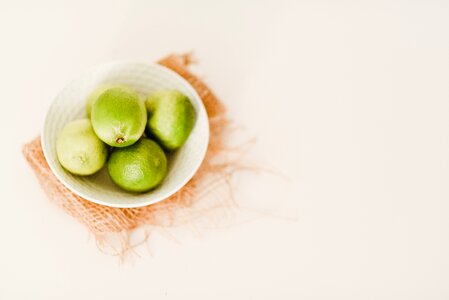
(79, 150)
(171, 118)
(139, 167)
(119, 116)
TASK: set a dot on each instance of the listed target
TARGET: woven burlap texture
(209, 189)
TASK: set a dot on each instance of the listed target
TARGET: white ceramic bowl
(145, 78)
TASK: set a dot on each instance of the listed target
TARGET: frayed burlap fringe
(209, 190)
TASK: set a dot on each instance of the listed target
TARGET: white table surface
(349, 99)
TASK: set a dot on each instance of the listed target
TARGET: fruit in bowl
(76, 100)
(118, 118)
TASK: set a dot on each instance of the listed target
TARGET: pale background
(348, 99)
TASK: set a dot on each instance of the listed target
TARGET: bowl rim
(182, 183)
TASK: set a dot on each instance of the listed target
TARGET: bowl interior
(145, 78)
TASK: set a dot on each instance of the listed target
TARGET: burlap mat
(207, 191)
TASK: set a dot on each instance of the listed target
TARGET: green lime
(171, 118)
(139, 167)
(119, 116)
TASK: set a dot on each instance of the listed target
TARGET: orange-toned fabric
(207, 191)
